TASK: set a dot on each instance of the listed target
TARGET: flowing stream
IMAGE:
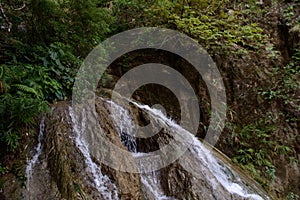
(204, 165)
(102, 182)
(38, 150)
(126, 127)
(36, 171)
(215, 171)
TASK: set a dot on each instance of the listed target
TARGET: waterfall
(219, 172)
(152, 187)
(37, 152)
(212, 168)
(102, 182)
(36, 171)
(220, 180)
(222, 174)
(126, 128)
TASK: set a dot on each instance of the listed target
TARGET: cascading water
(152, 186)
(222, 182)
(126, 127)
(104, 186)
(38, 150)
(216, 171)
(34, 166)
(213, 169)
(37, 174)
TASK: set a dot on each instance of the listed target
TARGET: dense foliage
(236, 32)
(43, 43)
(212, 23)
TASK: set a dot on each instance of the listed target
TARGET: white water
(38, 150)
(126, 128)
(152, 185)
(222, 174)
(216, 172)
(102, 182)
(205, 158)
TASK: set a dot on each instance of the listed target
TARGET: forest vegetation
(255, 44)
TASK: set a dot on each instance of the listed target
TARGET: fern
(27, 89)
(11, 138)
(1, 71)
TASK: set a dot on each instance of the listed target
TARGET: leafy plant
(17, 171)
(22, 100)
(271, 172)
(82, 23)
(282, 149)
(285, 84)
(255, 148)
(288, 13)
(3, 170)
(293, 196)
(128, 13)
(214, 25)
(293, 159)
(61, 64)
(27, 88)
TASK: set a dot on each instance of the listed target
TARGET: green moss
(214, 25)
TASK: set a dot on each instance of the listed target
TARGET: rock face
(246, 76)
(191, 177)
(69, 176)
(64, 170)
(128, 183)
(64, 160)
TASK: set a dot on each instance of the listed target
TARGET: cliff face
(262, 128)
(255, 122)
(262, 88)
(67, 169)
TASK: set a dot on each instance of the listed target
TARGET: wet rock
(65, 163)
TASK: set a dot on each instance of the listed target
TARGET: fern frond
(1, 71)
(27, 89)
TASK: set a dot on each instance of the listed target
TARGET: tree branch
(5, 18)
(22, 7)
